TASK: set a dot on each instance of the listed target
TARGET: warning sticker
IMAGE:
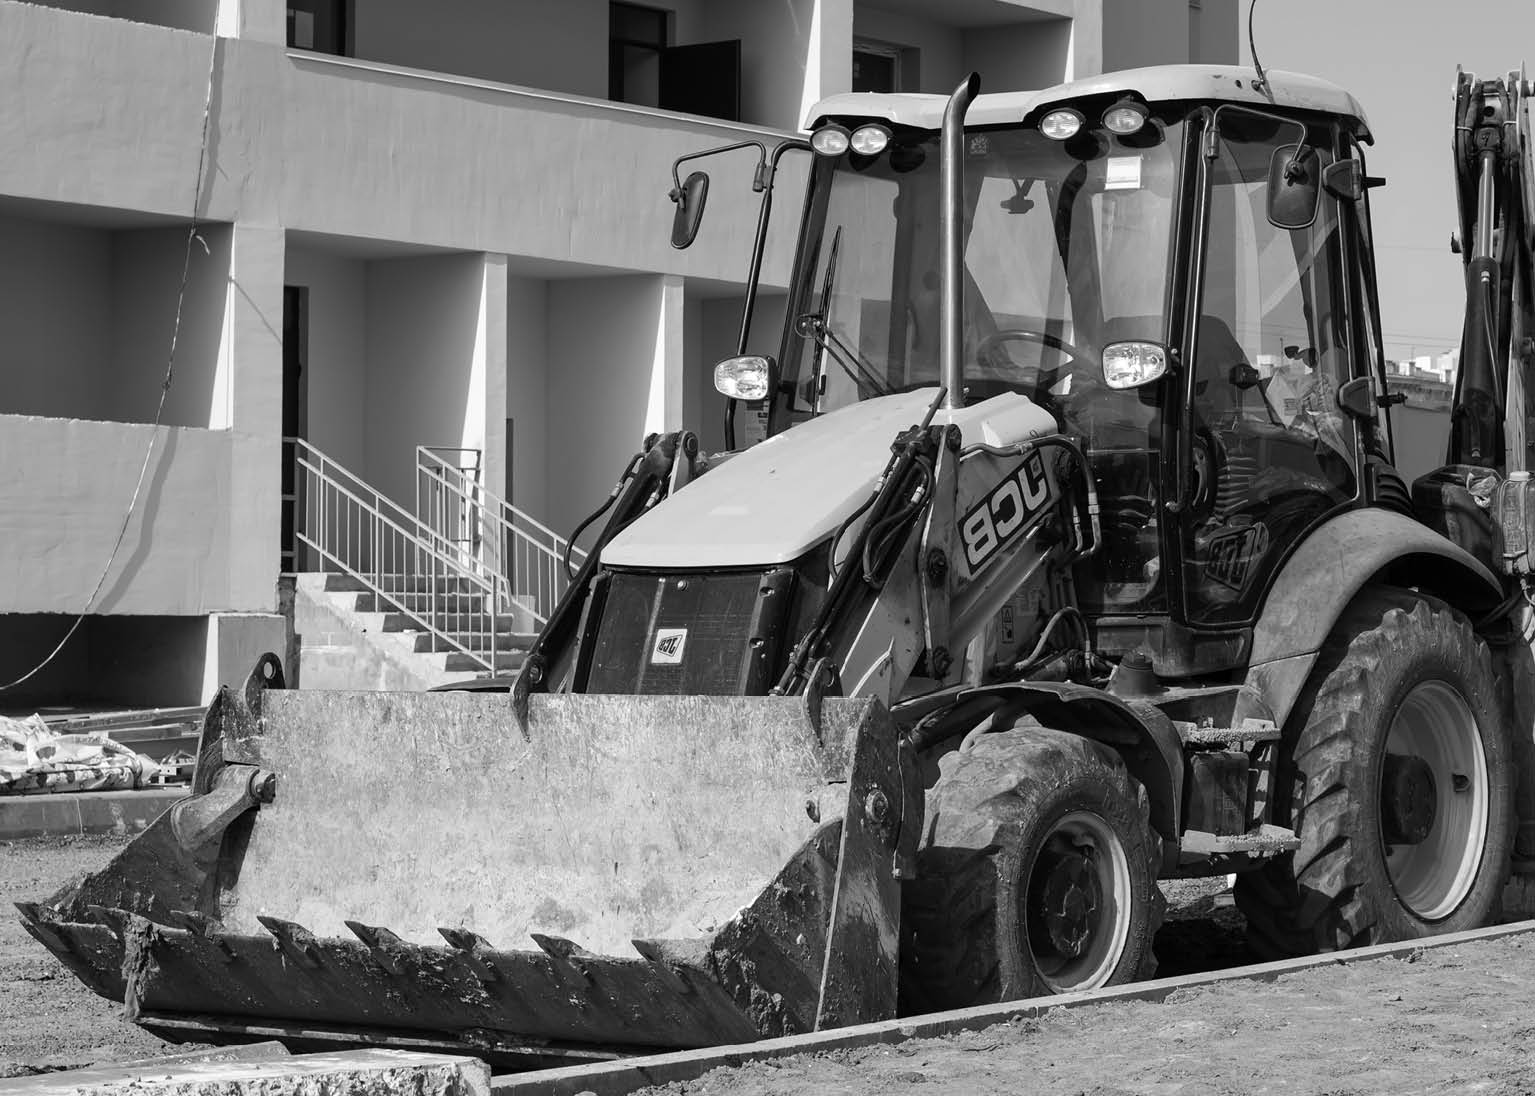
(1123, 173)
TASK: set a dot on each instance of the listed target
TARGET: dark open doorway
(295, 339)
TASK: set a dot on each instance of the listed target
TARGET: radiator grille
(686, 634)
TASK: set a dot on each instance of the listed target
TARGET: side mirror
(689, 198)
(1294, 187)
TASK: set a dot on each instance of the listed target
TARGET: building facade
(417, 225)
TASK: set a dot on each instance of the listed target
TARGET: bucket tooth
(379, 941)
(38, 918)
(663, 965)
(296, 942)
(197, 924)
(470, 946)
(565, 953)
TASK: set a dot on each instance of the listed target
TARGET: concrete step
(506, 662)
(475, 641)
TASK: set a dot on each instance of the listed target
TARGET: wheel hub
(1409, 799)
(1067, 902)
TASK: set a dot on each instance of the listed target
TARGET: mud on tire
(1025, 822)
(1406, 672)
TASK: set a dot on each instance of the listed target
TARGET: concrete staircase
(352, 638)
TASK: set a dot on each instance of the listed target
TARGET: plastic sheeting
(35, 759)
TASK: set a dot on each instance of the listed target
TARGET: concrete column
(253, 21)
(1085, 56)
(829, 51)
(250, 369)
(664, 411)
(488, 418)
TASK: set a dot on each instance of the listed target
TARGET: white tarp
(36, 759)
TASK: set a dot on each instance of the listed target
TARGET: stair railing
(352, 528)
(527, 555)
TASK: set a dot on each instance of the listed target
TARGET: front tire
(1037, 875)
(1403, 788)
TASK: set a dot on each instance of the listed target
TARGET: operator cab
(1119, 224)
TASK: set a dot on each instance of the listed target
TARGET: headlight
(745, 378)
(1125, 117)
(829, 140)
(1132, 364)
(1061, 125)
(869, 140)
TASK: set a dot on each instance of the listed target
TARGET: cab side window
(1272, 453)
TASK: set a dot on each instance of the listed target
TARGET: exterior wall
(197, 15)
(60, 519)
(600, 381)
(1020, 57)
(1156, 32)
(1217, 34)
(146, 279)
(335, 367)
(426, 363)
(942, 63)
(534, 446)
(56, 312)
(567, 54)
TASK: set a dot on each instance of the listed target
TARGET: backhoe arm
(1496, 191)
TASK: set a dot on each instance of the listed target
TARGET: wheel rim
(1077, 904)
(1432, 877)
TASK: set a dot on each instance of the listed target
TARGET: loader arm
(645, 482)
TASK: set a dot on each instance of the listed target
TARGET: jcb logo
(999, 517)
(669, 646)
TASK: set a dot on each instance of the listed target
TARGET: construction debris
(35, 759)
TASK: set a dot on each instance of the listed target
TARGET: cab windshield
(1066, 248)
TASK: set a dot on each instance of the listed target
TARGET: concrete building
(418, 225)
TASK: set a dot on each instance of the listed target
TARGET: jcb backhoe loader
(1074, 557)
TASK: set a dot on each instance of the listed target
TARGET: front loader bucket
(415, 870)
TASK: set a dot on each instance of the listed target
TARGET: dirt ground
(47, 1018)
(1460, 1019)
(1453, 1020)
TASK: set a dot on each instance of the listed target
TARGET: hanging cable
(165, 385)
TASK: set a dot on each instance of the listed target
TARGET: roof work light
(1061, 124)
(1125, 117)
(830, 140)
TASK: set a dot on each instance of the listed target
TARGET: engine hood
(775, 501)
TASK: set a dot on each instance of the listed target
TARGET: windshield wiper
(814, 325)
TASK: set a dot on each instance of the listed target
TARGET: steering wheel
(1043, 376)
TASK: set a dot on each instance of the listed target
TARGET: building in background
(420, 225)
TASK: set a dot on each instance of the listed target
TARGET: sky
(1398, 58)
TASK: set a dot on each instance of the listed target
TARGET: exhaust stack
(951, 174)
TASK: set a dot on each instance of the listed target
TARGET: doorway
(295, 347)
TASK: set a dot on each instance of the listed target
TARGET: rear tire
(1037, 875)
(1404, 676)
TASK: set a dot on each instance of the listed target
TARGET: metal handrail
(357, 530)
(525, 554)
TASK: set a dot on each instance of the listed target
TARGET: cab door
(1269, 452)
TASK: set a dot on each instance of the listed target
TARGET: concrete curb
(60, 814)
(351, 1073)
(627, 1075)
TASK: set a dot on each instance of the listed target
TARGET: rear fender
(1141, 734)
(1321, 579)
